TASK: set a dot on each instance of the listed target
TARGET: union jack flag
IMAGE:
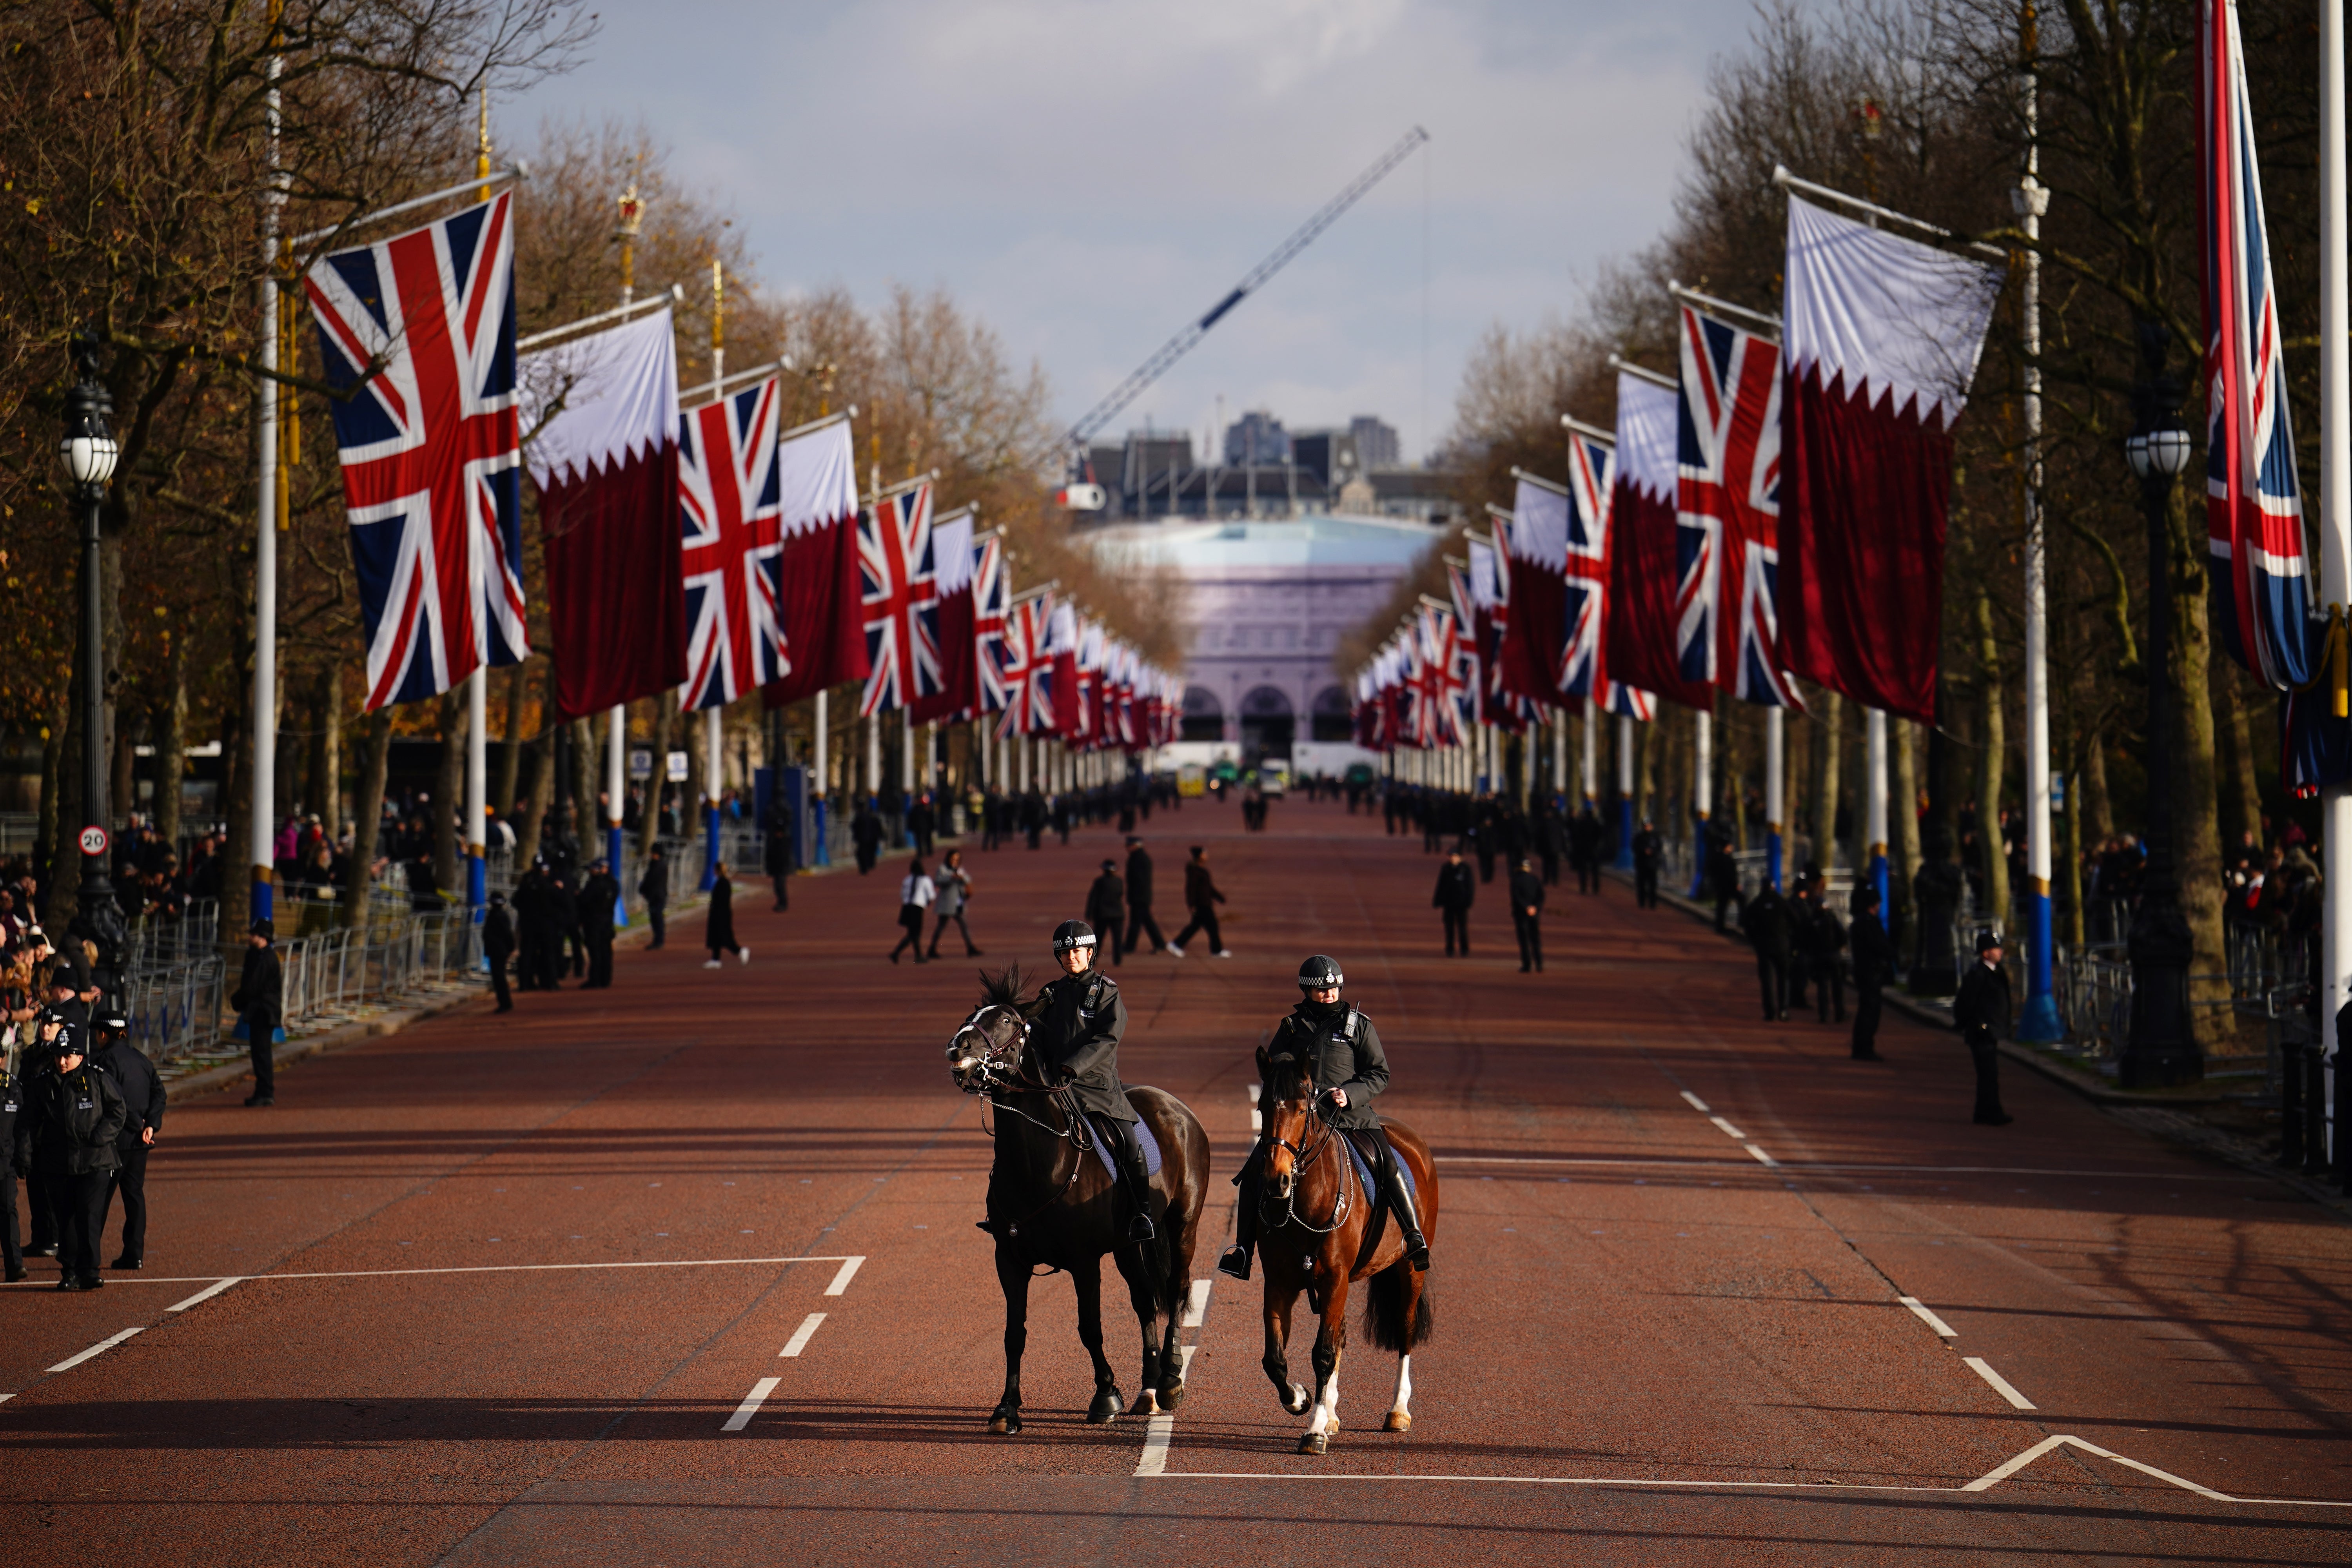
(1727, 510)
(1583, 671)
(2254, 496)
(990, 591)
(1028, 667)
(732, 521)
(900, 593)
(430, 445)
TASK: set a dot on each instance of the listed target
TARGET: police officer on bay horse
(1338, 1047)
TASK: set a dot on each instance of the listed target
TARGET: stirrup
(1140, 1229)
(1236, 1262)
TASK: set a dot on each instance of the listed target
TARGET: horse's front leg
(1331, 1344)
(1279, 1301)
(1144, 1290)
(1012, 1275)
(1085, 1278)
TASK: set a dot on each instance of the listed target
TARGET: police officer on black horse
(1337, 1045)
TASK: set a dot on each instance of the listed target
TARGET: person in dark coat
(498, 947)
(1772, 928)
(1527, 915)
(1106, 909)
(144, 1105)
(1584, 836)
(1981, 1010)
(1801, 905)
(1139, 898)
(777, 853)
(1202, 897)
(1723, 880)
(1874, 966)
(1336, 1048)
(865, 833)
(922, 824)
(13, 1132)
(718, 927)
(1824, 940)
(1648, 850)
(260, 1002)
(570, 931)
(653, 887)
(600, 897)
(76, 1113)
(535, 935)
(1457, 888)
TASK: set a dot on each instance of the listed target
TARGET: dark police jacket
(261, 986)
(142, 1090)
(1077, 1034)
(1647, 847)
(1874, 950)
(1527, 893)
(74, 1119)
(15, 1150)
(1456, 886)
(1981, 1009)
(1769, 923)
(1106, 902)
(498, 932)
(598, 897)
(1139, 879)
(1342, 1049)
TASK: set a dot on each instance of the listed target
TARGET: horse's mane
(1286, 1076)
(1002, 989)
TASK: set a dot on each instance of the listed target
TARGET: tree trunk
(447, 788)
(2195, 825)
(122, 781)
(172, 746)
(587, 769)
(367, 815)
(1731, 774)
(1827, 722)
(510, 750)
(2099, 808)
(1992, 759)
(63, 893)
(649, 826)
(53, 755)
(332, 809)
(1903, 820)
(2243, 818)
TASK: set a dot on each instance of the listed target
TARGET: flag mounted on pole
(431, 446)
(1028, 667)
(897, 588)
(1882, 337)
(2253, 497)
(1645, 561)
(601, 412)
(730, 527)
(957, 691)
(819, 605)
(1584, 665)
(991, 595)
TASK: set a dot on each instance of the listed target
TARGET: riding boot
(1399, 1197)
(1134, 1176)
(1236, 1260)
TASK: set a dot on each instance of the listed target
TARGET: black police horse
(1055, 1207)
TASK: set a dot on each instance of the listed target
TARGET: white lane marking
(2000, 1384)
(1700, 1163)
(5, 1398)
(802, 1335)
(501, 1268)
(2003, 1472)
(1928, 1318)
(845, 1274)
(99, 1349)
(751, 1406)
(206, 1294)
(1695, 1102)
(1199, 1306)
(1727, 1130)
(1161, 1429)
(1761, 1156)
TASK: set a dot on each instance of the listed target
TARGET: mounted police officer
(1079, 1024)
(1340, 1050)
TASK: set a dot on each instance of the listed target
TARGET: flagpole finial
(633, 220)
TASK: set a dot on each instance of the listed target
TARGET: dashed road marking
(751, 1406)
(1928, 1318)
(1695, 1102)
(802, 1335)
(99, 1349)
(843, 1275)
(1727, 1130)
(2000, 1384)
(1761, 1157)
(206, 1294)
(1199, 1305)
(1161, 1429)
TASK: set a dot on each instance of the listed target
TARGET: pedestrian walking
(260, 1002)
(1981, 1011)
(1874, 966)
(653, 887)
(1139, 898)
(1200, 899)
(76, 1114)
(865, 833)
(1457, 888)
(1584, 837)
(1824, 940)
(776, 854)
(1772, 928)
(600, 900)
(498, 947)
(917, 892)
(1527, 915)
(1107, 910)
(142, 1123)
(1648, 850)
(952, 891)
(1722, 878)
(719, 926)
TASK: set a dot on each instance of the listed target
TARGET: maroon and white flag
(817, 602)
(1882, 336)
(602, 411)
(957, 693)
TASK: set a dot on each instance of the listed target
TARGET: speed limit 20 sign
(93, 840)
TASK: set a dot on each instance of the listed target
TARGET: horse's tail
(1392, 1320)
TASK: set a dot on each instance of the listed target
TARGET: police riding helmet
(1320, 974)
(1073, 934)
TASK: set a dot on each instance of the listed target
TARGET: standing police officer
(12, 1147)
(1873, 964)
(600, 897)
(143, 1100)
(76, 1114)
(1527, 915)
(1337, 1046)
(1648, 850)
(1456, 890)
(1981, 1010)
(1077, 1033)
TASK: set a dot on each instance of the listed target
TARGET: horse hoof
(1297, 1400)
(1004, 1423)
(1146, 1404)
(1105, 1408)
(1172, 1394)
(1314, 1443)
(1398, 1421)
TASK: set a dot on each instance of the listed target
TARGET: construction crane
(1082, 494)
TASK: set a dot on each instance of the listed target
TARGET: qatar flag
(951, 622)
(1645, 567)
(602, 412)
(819, 605)
(1533, 540)
(1882, 339)
(1062, 649)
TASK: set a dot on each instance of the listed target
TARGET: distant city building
(1376, 446)
(1258, 436)
(1154, 475)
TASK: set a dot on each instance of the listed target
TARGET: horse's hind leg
(1086, 1280)
(1400, 1418)
(1014, 1275)
(1279, 1301)
(1145, 1292)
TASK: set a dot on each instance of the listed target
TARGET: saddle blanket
(1365, 1174)
(1150, 1146)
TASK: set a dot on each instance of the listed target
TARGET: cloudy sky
(1088, 175)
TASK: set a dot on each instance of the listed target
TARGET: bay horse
(1056, 1206)
(1314, 1212)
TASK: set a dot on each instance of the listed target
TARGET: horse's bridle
(984, 1073)
(1303, 1154)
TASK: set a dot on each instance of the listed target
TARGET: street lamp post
(2161, 1049)
(87, 450)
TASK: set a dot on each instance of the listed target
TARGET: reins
(993, 1079)
(1303, 1154)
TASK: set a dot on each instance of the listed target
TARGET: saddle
(1375, 1226)
(1144, 1140)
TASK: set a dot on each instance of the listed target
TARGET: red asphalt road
(1651, 1344)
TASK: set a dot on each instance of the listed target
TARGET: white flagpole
(1775, 769)
(1702, 794)
(2038, 1023)
(2335, 512)
(1591, 777)
(478, 685)
(263, 842)
(1874, 825)
(1560, 754)
(1625, 792)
